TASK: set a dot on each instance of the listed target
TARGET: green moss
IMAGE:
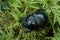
(15, 10)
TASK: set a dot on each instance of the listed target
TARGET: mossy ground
(12, 13)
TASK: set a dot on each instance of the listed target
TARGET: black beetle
(35, 20)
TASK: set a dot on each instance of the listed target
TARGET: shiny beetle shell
(36, 20)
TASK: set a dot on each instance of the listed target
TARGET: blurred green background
(12, 13)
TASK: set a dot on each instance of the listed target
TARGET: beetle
(36, 20)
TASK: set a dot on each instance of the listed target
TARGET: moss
(11, 29)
